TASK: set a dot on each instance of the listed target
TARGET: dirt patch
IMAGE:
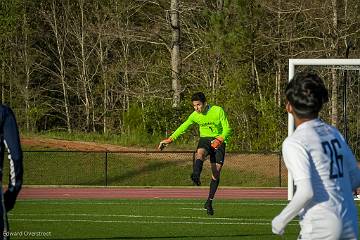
(74, 145)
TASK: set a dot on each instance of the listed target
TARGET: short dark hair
(199, 96)
(307, 93)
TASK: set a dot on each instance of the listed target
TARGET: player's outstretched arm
(304, 193)
(179, 131)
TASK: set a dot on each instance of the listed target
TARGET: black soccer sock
(198, 166)
(213, 187)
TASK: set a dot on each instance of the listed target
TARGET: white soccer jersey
(317, 151)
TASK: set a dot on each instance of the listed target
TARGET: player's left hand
(217, 142)
(164, 143)
(9, 200)
(277, 226)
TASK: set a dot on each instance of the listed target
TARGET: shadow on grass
(261, 236)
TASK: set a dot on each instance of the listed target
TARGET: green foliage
(10, 15)
(162, 119)
(36, 113)
(270, 133)
(121, 76)
(134, 118)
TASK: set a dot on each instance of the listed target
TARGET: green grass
(146, 219)
(138, 169)
(144, 169)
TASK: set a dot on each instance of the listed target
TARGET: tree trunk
(217, 63)
(334, 47)
(278, 65)
(27, 75)
(105, 109)
(2, 82)
(175, 52)
(93, 112)
(103, 77)
(256, 78)
(334, 94)
(278, 84)
(254, 72)
(11, 77)
(215, 79)
(83, 74)
(126, 76)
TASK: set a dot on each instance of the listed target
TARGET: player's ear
(289, 107)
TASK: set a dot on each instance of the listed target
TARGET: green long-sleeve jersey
(212, 123)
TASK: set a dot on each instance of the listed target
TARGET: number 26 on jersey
(336, 160)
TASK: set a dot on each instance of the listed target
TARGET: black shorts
(216, 156)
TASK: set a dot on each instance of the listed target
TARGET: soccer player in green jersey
(214, 134)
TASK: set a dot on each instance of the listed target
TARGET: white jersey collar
(309, 123)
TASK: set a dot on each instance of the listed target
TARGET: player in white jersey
(322, 165)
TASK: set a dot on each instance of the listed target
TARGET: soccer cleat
(195, 179)
(208, 207)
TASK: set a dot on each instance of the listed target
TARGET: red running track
(141, 193)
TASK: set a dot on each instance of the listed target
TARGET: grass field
(145, 219)
(145, 169)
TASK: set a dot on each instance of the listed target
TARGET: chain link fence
(146, 168)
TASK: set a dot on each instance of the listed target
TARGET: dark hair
(199, 96)
(307, 93)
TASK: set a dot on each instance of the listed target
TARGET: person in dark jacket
(9, 142)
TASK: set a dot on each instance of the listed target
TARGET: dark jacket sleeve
(12, 144)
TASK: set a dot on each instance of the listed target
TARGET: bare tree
(215, 83)
(83, 51)
(175, 52)
(59, 26)
(27, 58)
(334, 49)
(27, 73)
(102, 50)
(79, 33)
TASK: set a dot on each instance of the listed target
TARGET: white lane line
(142, 222)
(251, 220)
(139, 216)
(194, 209)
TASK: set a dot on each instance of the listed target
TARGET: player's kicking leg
(198, 166)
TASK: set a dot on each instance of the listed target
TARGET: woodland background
(129, 67)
